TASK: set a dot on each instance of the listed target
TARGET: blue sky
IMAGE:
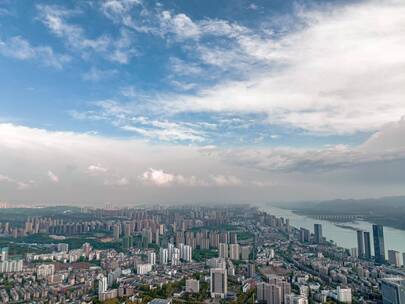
(156, 58)
(281, 87)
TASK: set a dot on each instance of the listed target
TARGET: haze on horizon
(138, 101)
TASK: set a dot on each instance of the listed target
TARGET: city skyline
(232, 254)
(245, 101)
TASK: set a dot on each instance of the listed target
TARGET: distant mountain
(361, 206)
(389, 211)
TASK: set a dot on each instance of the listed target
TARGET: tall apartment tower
(218, 282)
(164, 256)
(318, 233)
(234, 237)
(367, 245)
(394, 258)
(378, 238)
(234, 252)
(273, 292)
(102, 284)
(393, 290)
(151, 258)
(116, 232)
(223, 250)
(360, 244)
(4, 254)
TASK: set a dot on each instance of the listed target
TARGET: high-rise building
(354, 252)
(367, 245)
(216, 263)
(128, 229)
(156, 237)
(360, 244)
(251, 270)
(343, 295)
(296, 299)
(285, 287)
(192, 286)
(170, 249)
(234, 251)
(218, 282)
(214, 239)
(127, 242)
(318, 233)
(102, 284)
(261, 286)
(143, 268)
(394, 258)
(304, 235)
(62, 247)
(147, 236)
(234, 237)
(175, 260)
(223, 237)
(393, 291)
(163, 256)
(378, 238)
(223, 250)
(11, 266)
(245, 252)
(4, 254)
(269, 293)
(186, 253)
(116, 232)
(151, 258)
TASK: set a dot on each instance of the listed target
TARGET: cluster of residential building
(274, 263)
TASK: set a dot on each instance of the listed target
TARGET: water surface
(342, 236)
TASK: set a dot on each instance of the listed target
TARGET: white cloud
(127, 117)
(19, 48)
(53, 177)
(338, 74)
(4, 12)
(97, 169)
(55, 18)
(158, 177)
(119, 10)
(109, 177)
(383, 146)
(128, 91)
(181, 67)
(119, 163)
(180, 24)
(222, 180)
(253, 6)
(20, 185)
(234, 174)
(122, 181)
(5, 178)
(166, 131)
(95, 74)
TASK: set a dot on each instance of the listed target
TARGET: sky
(135, 101)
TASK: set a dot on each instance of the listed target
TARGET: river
(344, 237)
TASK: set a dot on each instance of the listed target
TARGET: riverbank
(345, 237)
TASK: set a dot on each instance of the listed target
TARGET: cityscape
(233, 254)
(202, 152)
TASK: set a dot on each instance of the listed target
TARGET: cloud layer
(191, 106)
(343, 72)
(56, 165)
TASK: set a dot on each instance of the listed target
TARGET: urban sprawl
(233, 254)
